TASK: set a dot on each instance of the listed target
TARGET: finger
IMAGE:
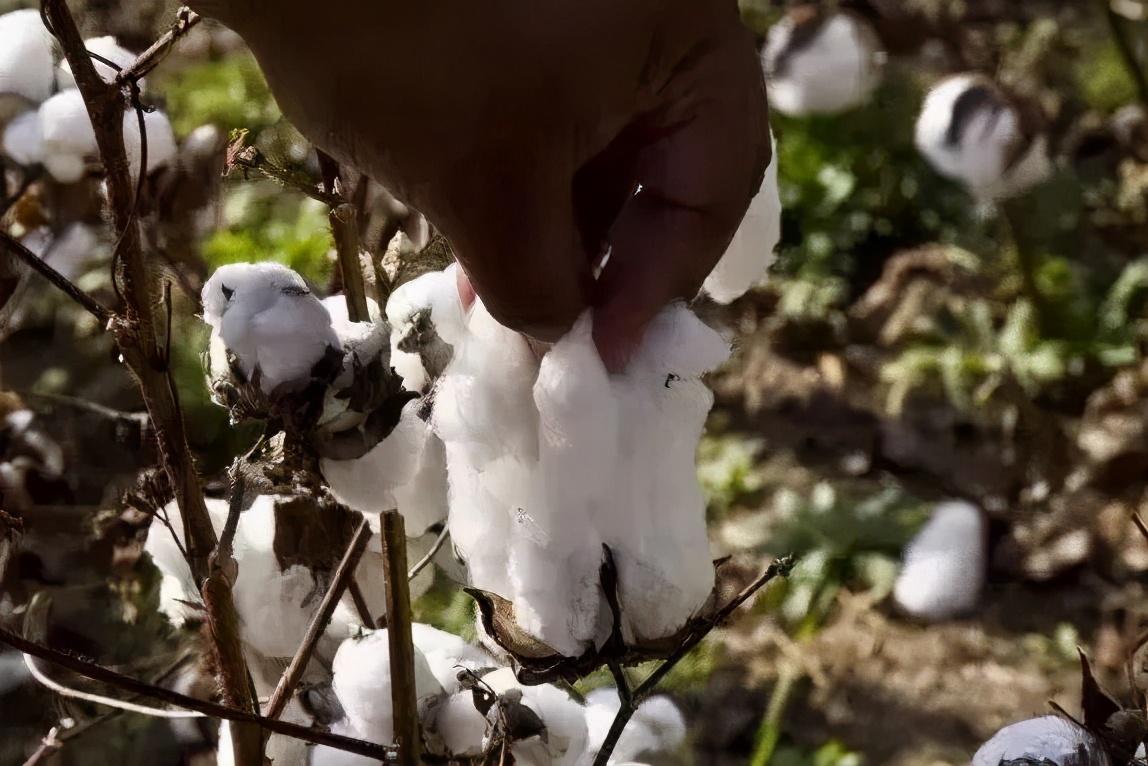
(511, 222)
(697, 178)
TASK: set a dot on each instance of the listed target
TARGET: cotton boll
(944, 564)
(161, 146)
(269, 319)
(657, 727)
(1046, 739)
(423, 500)
(67, 135)
(362, 669)
(23, 139)
(446, 654)
(750, 252)
(280, 750)
(564, 718)
(971, 131)
(65, 168)
(26, 55)
(460, 726)
(426, 320)
(178, 592)
(321, 755)
(105, 47)
(820, 63)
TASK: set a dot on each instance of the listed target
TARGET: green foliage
(728, 471)
(265, 223)
(1102, 78)
(447, 607)
(230, 93)
(832, 753)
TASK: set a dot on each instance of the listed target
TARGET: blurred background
(923, 337)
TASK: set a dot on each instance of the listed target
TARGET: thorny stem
(779, 567)
(342, 578)
(401, 645)
(58, 280)
(213, 709)
(429, 557)
(135, 332)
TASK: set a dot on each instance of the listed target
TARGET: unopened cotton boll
(1046, 739)
(819, 62)
(161, 146)
(104, 47)
(23, 139)
(268, 318)
(67, 134)
(944, 564)
(26, 55)
(426, 321)
(657, 727)
(750, 252)
(971, 131)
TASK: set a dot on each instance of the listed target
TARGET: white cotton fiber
(750, 252)
(161, 146)
(362, 669)
(944, 564)
(177, 588)
(428, 301)
(280, 750)
(67, 133)
(1046, 739)
(835, 69)
(423, 500)
(322, 755)
(268, 318)
(446, 654)
(975, 148)
(657, 727)
(105, 47)
(23, 139)
(549, 460)
(565, 722)
(26, 55)
(459, 725)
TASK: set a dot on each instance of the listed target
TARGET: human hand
(523, 128)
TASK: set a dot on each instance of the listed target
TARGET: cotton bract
(820, 63)
(750, 252)
(944, 564)
(26, 55)
(970, 131)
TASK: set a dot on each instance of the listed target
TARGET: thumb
(706, 157)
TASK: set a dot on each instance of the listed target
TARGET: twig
(345, 230)
(131, 707)
(185, 20)
(1140, 525)
(213, 709)
(402, 651)
(343, 575)
(778, 567)
(136, 337)
(250, 158)
(1127, 54)
(48, 746)
(58, 280)
(361, 606)
(429, 557)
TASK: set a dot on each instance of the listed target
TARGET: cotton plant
(821, 62)
(974, 132)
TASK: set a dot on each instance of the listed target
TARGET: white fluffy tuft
(26, 55)
(944, 564)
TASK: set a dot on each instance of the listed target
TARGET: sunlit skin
(521, 129)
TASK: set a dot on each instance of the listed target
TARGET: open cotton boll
(67, 134)
(1046, 739)
(820, 63)
(426, 321)
(362, 672)
(447, 653)
(657, 727)
(970, 131)
(269, 319)
(565, 721)
(23, 140)
(105, 47)
(660, 545)
(161, 146)
(26, 55)
(944, 564)
(321, 755)
(177, 588)
(750, 252)
(459, 725)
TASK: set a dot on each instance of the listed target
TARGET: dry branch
(402, 650)
(58, 280)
